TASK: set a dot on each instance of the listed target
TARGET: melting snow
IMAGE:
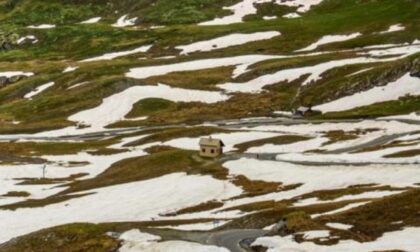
(339, 226)
(242, 63)
(113, 55)
(315, 234)
(93, 20)
(292, 15)
(70, 69)
(42, 26)
(227, 41)
(394, 28)
(406, 240)
(125, 21)
(134, 201)
(115, 107)
(135, 241)
(15, 73)
(39, 90)
(330, 39)
(406, 85)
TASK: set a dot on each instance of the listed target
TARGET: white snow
(240, 10)
(256, 85)
(343, 209)
(377, 157)
(315, 234)
(292, 15)
(330, 39)
(135, 241)
(226, 41)
(115, 107)
(412, 116)
(113, 55)
(339, 226)
(315, 177)
(202, 226)
(39, 90)
(15, 73)
(303, 5)
(70, 69)
(78, 85)
(406, 85)
(315, 72)
(124, 21)
(394, 28)
(242, 63)
(42, 26)
(93, 20)
(134, 201)
(364, 195)
(28, 37)
(405, 240)
(269, 17)
(248, 7)
(9, 175)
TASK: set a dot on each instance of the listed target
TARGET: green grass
(149, 107)
(68, 238)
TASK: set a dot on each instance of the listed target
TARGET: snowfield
(117, 106)
(241, 63)
(42, 26)
(135, 201)
(15, 73)
(39, 90)
(313, 177)
(226, 41)
(125, 21)
(406, 239)
(406, 85)
(329, 39)
(93, 20)
(134, 241)
(247, 7)
(113, 55)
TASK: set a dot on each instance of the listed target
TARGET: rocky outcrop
(4, 81)
(361, 83)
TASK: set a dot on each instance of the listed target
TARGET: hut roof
(211, 142)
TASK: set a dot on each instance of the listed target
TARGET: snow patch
(39, 90)
(115, 107)
(330, 39)
(124, 21)
(227, 41)
(113, 55)
(93, 20)
(406, 85)
(405, 240)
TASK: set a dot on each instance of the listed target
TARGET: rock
(4, 81)
(16, 78)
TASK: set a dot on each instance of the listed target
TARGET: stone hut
(211, 147)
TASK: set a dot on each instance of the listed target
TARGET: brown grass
(372, 220)
(279, 140)
(205, 79)
(16, 194)
(402, 154)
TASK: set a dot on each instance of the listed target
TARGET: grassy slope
(68, 42)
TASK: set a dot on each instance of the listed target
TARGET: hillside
(103, 104)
